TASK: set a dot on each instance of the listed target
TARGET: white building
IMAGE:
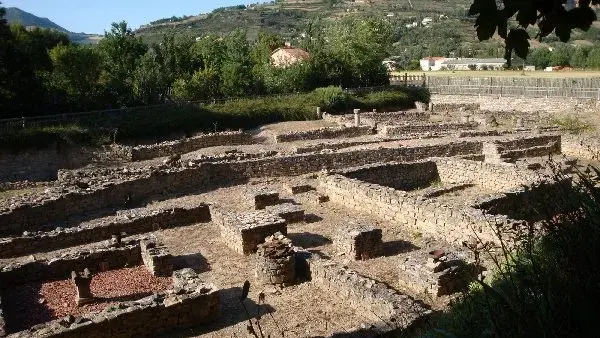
(442, 63)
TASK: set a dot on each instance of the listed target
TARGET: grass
(160, 121)
(573, 125)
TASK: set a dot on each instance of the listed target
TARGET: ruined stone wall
(131, 222)
(415, 213)
(400, 176)
(324, 133)
(497, 177)
(388, 309)
(371, 118)
(122, 187)
(43, 164)
(581, 147)
(146, 152)
(395, 130)
(495, 103)
(529, 142)
(537, 202)
(194, 303)
(109, 257)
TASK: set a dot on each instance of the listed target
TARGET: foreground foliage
(548, 287)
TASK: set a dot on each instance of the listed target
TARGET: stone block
(156, 258)
(297, 188)
(313, 197)
(436, 274)
(261, 198)
(292, 213)
(359, 242)
(243, 232)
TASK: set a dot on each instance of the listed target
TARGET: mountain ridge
(17, 15)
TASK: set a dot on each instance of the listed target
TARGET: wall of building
(400, 176)
(395, 130)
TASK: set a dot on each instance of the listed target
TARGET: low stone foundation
(387, 309)
(187, 145)
(359, 242)
(156, 258)
(132, 222)
(261, 198)
(324, 133)
(399, 130)
(435, 274)
(244, 232)
(95, 259)
(190, 303)
(291, 213)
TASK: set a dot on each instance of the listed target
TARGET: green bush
(245, 113)
(573, 125)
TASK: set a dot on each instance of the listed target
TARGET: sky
(95, 16)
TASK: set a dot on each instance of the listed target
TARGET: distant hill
(16, 15)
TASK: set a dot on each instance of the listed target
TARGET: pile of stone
(276, 261)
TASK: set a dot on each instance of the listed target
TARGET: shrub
(573, 125)
(545, 287)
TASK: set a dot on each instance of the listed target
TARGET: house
(442, 63)
(287, 55)
(432, 63)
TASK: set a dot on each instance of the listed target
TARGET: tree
(236, 70)
(203, 85)
(540, 57)
(579, 57)
(593, 60)
(561, 55)
(150, 80)
(76, 74)
(549, 16)
(121, 50)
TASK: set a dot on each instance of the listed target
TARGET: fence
(584, 88)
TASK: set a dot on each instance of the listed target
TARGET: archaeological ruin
(350, 225)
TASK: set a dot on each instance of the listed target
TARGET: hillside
(16, 15)
(289, 17)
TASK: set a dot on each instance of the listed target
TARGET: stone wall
(497, 177)
(536, 202)
(95, 259)
(398, 130)
(43, 164)
(372, 118)
(146, 152)
(190, 303)
(400, 176)
(386, 308)
(581, 147)
(243, 232)
(131, 222)
(88, 190)
(324, 133)
(505, 104)
(156, 258)
(414, 212)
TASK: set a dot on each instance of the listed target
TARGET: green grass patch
(573, 125)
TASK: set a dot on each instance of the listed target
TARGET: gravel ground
(35, 303)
